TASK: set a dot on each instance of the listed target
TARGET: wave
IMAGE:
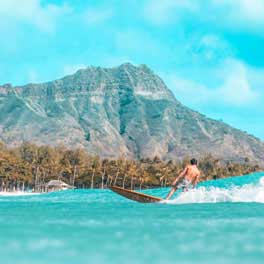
(253, 193)
(18, 193)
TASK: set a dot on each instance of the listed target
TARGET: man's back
(192, 172)
(189, 177)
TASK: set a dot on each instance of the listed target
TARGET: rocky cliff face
(126, 110)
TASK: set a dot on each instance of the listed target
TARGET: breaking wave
(18, 193)
(252, 192)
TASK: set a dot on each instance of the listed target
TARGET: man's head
(193, 161)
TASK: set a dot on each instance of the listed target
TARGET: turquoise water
(220, 222)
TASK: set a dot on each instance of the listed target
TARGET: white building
(57, 185)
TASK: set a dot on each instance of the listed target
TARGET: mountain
(126, 110)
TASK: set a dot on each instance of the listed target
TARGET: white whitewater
(246, 193)
(18, 193)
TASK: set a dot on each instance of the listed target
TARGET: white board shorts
(184, 184)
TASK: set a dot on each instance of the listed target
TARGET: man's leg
(188, 186)
(172, 191)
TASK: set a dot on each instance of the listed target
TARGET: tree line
(30, 167)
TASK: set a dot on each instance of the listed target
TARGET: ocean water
(220, 222)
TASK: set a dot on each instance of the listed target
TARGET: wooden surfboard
(135, 196)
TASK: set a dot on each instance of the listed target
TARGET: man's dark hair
(193, 161)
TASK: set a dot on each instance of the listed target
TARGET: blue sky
(210, 53)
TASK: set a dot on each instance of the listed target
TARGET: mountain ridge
(126, 110)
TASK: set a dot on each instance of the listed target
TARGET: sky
(210, 53)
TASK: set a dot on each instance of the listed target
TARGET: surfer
(188, 178)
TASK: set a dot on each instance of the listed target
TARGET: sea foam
(18, 193)
(245, 193)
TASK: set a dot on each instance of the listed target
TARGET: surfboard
(135, 196)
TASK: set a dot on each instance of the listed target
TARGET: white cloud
(212, 41)
(237, 87)
(95, 16)
(163, 12)
(31, 12)
(232, 14)
(208, 48)
(247, 10)
(239, 14)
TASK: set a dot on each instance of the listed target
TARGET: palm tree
(116, 176)
(124, 180)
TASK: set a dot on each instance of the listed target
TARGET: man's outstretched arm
(174, 187)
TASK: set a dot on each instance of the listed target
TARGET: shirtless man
(188, 178)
